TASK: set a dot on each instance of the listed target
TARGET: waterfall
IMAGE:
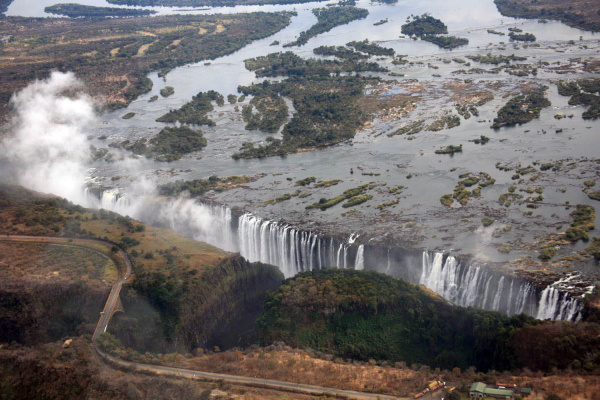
(555, 304)
(474, 286)
(360, 258)
(294, 251)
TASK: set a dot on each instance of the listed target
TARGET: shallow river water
(419, 220)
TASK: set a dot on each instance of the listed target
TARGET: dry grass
(298, 366)
(44, 261)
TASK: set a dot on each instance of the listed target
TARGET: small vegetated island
(522, 108)
(429, 28)
(326, 106)
(78, 10)
(327, 19)
(583, 92)
(169, 145)
(194, 112)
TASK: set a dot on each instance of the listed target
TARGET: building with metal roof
(480, 390)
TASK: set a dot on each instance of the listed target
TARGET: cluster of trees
(290, 64)
(429, 28)
(372, 49)
(583, 92)
(446, 42)
(421, 25)
(579, 15)
(170, 144)
(522, 108)
(327, 19)
(354, 196)
(326, 112)
(271, 113)
(340, 52)
(194, 112)
(367, 315)
(522, 37)
(202, 3)
(584, 218)
(78, 10)
(194, 309)
(198, 187)
(490, 58)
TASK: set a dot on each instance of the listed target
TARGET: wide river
(392, 158)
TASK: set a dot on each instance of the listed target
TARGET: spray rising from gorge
(49, 152)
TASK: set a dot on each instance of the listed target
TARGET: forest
(327, 19)
(580, 14)
(326, 112)
(583, 92)
(194, 112)
(522, 108)
(170, 144)
(73, 10)
(421, 25)
(367, 315)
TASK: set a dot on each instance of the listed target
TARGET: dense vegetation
(421, 25)
(495, 59)
(271, 113)
(327, 19)
(367, 315)
(290, 64)
(326, 106)
(326, 112)
(450, 149)
(184, 294)
(583, 221)
(202, 3)
(78, 10)
(583, 92)
(372, 49)
(198, 187)
(354, 196)
(195, 310)
(340, 52)
(446, 42)
(428, 28)
(4, 5)
(522, 37)
(194, 112)
(522, 108)
(579, 14)
(170, 144)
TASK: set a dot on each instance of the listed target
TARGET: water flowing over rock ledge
(458, 280)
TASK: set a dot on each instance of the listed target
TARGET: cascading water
(360, 258)
(474, 286)
(294, 251)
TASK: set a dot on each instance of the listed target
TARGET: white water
(294, 251)
(474, 286)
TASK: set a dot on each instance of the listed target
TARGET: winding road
(109, 309)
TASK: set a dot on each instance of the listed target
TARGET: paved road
(109, 307)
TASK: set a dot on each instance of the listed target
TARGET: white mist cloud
(47, 149)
